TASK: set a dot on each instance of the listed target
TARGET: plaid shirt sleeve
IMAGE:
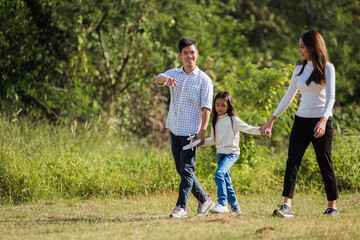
(207, 93)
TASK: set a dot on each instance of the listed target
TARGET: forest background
(81, 116)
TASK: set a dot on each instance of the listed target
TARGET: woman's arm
(289, 95)
(320, 127)
(285, 101)
(330, 90)
(268, 125)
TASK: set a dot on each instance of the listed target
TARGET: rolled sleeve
(168, 73)
(159, 85)
(207, 91)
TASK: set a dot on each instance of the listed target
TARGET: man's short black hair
(186, 42)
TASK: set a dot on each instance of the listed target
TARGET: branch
(102, 44)
(120, 72)
(118, 76)
(309, 13)
(124, 33)
(127, 85)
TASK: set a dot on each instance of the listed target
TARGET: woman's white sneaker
(284, 211)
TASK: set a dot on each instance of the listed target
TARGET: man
(191, 92)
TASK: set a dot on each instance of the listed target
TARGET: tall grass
(41, 161)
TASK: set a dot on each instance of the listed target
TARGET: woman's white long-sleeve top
(317, 100)
(228, 136)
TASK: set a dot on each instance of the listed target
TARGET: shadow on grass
(121, 218)
(129, 217)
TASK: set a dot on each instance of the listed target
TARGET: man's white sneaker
(219, 209)
(204, 208)
(178, 212)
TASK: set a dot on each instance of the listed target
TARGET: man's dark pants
(185, 166)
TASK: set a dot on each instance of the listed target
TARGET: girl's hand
(320, 128)
(171, 82)
(266, 129)
(268, 132)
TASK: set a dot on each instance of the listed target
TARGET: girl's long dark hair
(316, 47)
(231, 111)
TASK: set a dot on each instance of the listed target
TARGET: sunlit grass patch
(147, 217)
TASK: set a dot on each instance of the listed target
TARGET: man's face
(189, 56)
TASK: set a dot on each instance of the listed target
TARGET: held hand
(201, 135)
(266, 128)
(171, 82)
(268, 132)
(320, 128)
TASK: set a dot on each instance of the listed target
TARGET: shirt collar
(222, 116)
(194, 72)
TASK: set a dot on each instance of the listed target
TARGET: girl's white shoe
(219, 209)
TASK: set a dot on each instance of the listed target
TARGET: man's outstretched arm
(162, 79)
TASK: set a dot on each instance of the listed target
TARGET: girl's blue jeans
(225, 190)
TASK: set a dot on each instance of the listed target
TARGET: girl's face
(221, 106)
(305, 54)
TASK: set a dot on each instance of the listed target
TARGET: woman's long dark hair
(226, 96)
(316, 47)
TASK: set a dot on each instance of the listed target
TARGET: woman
(315, 79)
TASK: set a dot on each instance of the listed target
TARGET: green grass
(146, 217)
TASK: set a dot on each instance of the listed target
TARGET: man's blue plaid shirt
(193, 92)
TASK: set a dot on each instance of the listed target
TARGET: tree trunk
(309, 14)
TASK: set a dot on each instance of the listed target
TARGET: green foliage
(257, 92)
(75, 60)
(35, 53)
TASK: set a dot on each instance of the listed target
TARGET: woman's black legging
(302, 134)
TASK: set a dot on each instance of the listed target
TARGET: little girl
(225, 135)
